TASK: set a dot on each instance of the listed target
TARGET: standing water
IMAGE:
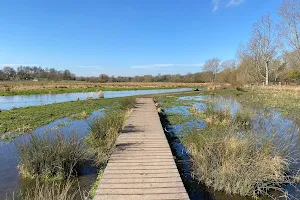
(17, 101)
(266, 121)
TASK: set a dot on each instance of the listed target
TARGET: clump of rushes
(127, 103)
(103, 135)
(239, 162)
(243, 118)
(105, 130)
(52, 191)
(51, 157)
(214, 116)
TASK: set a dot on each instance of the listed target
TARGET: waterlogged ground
(17, 101)
(10, 181)
(180, 122)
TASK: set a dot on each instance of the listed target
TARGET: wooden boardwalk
(142, 167)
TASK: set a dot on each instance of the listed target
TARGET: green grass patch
(26, 119)
(95, 185)
(287, 103)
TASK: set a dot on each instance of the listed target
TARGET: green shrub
(294, 75)
(238, 162)
(51, 157)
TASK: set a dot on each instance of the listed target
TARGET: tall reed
(105, 130)
(239, 161)
(127, 103)
(51, 156)
(103, 134)
(51, 191)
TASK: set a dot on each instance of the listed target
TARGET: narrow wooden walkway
(142, 167)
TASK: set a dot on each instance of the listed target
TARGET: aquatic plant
(243, 118)
(214, 116)
(127, 103)
(95, 185)
(84, 115)
(51, 191)
(103, 134)
(239, 162)
(51, 156)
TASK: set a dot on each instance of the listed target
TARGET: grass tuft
(238, 162)
(51, 191)
(103, 135)
(51, 157)
(127, 103)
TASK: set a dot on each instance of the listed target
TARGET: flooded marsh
(27, 158)
(201, 124)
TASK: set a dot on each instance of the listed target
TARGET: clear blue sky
(125, 37)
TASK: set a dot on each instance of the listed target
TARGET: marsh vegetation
(9, 88)
(104, 131)
(51, 191)
(241, 149)
(60, 156)
(51, 157)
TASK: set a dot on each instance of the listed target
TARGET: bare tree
(228, 64)
(213, 66)
(250, 63)
(265, 43)
(9, 73)
(290, 12)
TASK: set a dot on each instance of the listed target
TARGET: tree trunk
(267, 73)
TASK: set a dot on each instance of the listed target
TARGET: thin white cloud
(215, 5)
(17, 65)
(235, 2)
(159, 66)
(90, 67)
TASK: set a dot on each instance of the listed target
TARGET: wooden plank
(142, 166)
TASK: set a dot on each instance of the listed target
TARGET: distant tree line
(38, 73)
(31, 73)
(200, 77)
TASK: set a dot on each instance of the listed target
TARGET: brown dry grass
(284, 88)
(30, 85)
(25, 85)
